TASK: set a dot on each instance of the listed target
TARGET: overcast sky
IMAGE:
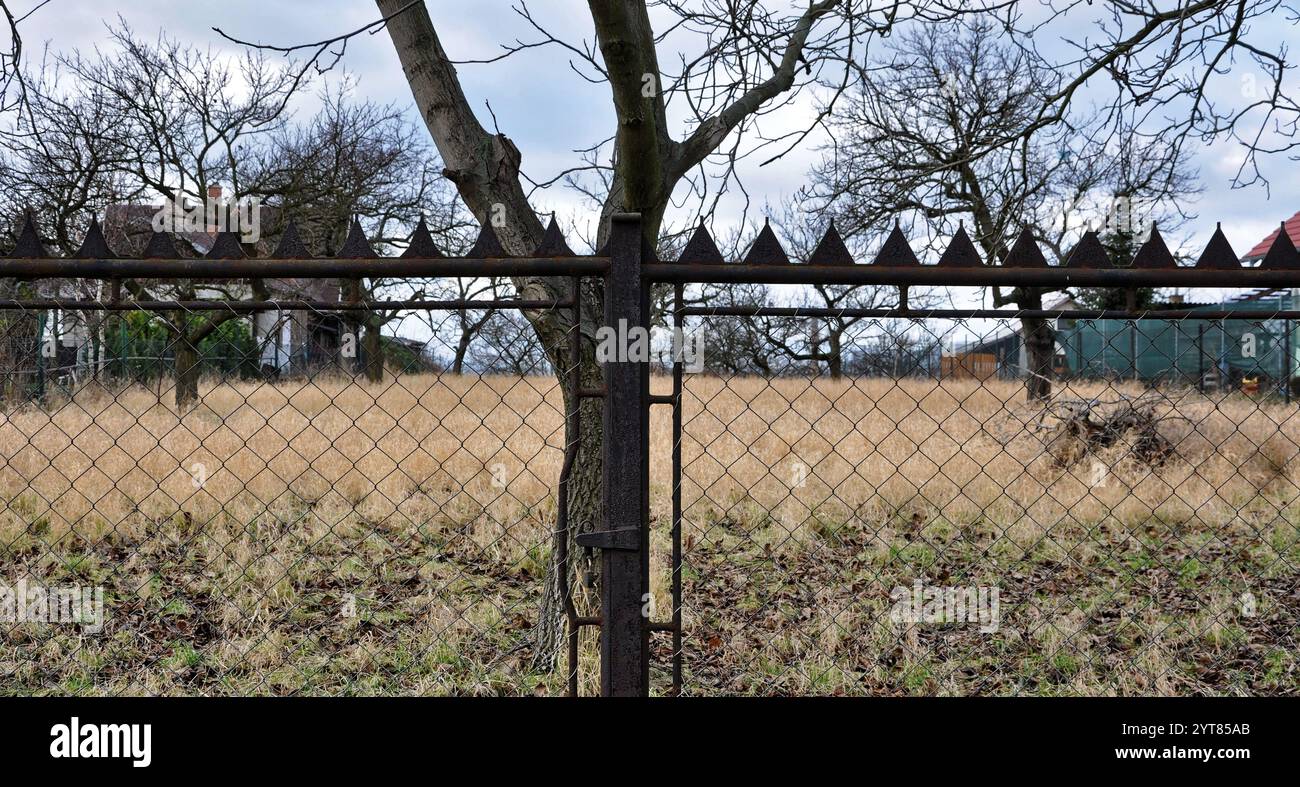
(538, 101)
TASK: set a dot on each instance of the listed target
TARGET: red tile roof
(1292, 229)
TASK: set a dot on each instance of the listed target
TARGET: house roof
(1260, 249)
(1260, 294)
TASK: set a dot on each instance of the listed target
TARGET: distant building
(1221, 354)
(1216, 354)
(1001, 353)
(1258, 251)
(289, 342)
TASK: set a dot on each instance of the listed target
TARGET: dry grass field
(332, 537)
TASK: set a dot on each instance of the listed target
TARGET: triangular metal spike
(356, 247)
(961, 253)
(896, 252)
(766, 249)
(1025, 252)
(1154, 254)
(700, 249)
(161, 246)
(290, 246)
(1282, 254)
(226, 247)
(29, 240)
(1218, 254)
(421, 244)
(553, 244)
(94, 246)
(831, 250)
(487, 245)
(1088, 253)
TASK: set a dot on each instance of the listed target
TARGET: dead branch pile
(1079, 428)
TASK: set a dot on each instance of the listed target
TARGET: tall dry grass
(423, 444)
(431, 499)
(968, 450)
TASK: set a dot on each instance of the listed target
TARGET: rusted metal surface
(625, 571)
(278, 305)
(983, 276)
(174, 267)
(1003, 314)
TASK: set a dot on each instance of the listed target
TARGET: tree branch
(710, 133)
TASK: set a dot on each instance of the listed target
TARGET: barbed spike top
(767, 249)
(961, 252)
(421, 244)
(1218, 254)
(1281, 254)
(831, 250)
(700, 249)
(94, 246)
(896, 252)
(1024, 252)
(161, 246)
(1153, 254)
(553, 244)
(290, 246)
(29, 240)
(226, 247)
(356, 247)
(487, 245)
(1088, 253)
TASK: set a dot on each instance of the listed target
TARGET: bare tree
(179, 122)
(508, 345)
(824, 341)
(184, 118)
(61, 165)
(647, 163)
(365, 163)
(904, 149)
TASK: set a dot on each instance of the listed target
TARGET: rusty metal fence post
(625, 540)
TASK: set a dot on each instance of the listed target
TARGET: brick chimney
(214, 193)
(1176, 299)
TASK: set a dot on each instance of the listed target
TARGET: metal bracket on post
(625, 541)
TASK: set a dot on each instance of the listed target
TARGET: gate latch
(627, 539)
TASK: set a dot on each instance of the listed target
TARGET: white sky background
(548, 111)
(545, 108)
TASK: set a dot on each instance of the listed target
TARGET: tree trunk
(584, 512)
(485, 169)
(372, 350)
(462, 348)
(648, 163)
(1040, 350)
(835, 359)
(187, 373)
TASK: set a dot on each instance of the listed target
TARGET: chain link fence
(304, 501)
(890, 515)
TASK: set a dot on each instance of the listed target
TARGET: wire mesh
(287, 500)
(883, 511)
